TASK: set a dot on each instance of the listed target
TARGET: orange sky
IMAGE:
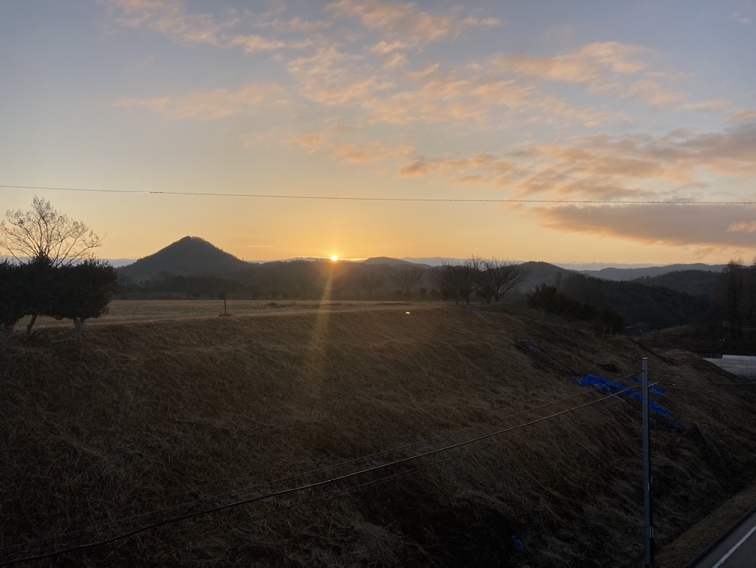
(590, 118)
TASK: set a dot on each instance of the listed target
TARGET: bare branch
(43, 233)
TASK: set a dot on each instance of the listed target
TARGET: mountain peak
(188, 256)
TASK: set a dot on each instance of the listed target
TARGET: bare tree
(44, 239)
(43, 233)
(505, 276)
(406, 278)
(369, 281)
(458, 281)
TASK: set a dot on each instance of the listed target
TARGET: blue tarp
(611, 387)
(653, 388)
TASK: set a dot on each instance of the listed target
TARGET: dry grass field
(309, 414)
(158, 310)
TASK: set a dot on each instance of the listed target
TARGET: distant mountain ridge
(190, 256)
(649, 271)
(385, 260)
(194, 256)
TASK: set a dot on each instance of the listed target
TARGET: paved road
(738, 550)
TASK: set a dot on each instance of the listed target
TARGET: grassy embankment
(197, 413)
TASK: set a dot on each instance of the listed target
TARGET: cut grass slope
(200, 413)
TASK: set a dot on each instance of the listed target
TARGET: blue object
(473, 310)
(611, 387)
(653, 388)
(519, 545)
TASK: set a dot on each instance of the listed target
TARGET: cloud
(653, 93)
(436, 96)
(675, 158)
(167, 17)
(742, 227)
(588, 65)
(406, 21)
(375, 152)
(333, 78)
(312, 142)
(172, 19)
(256, 43)
(671, 225)
(209, 105)
(609, 68)
(353, 153)
(717, 105)
(602, 167)
(416, 168)
(479, 168)
(297, 24)
(742, 116)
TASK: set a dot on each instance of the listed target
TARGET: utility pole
(648, 518)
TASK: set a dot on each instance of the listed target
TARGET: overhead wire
(375, 198)
(313, 485)
(105, 526)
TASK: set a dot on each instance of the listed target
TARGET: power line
(313, 485)
(373, 198)
(102, 527)
(688, 385)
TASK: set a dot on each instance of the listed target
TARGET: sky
(559, 131)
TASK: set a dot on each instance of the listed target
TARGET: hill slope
(693, 282)
(202, 413)
(649, 271)
(186, 257)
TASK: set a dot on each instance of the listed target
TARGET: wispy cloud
(609, 68)
(588, 65)
(406, 22)
(172, 19)
(376, 152)
(331, 77)
(209, 105)
(601, 167)
(353, 153)
(312, 142)
(717, 105)
(434, 95)
(743, 116)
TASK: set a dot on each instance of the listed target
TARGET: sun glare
(334, 258)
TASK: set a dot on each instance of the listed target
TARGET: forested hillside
(693, 282)
(636, 303)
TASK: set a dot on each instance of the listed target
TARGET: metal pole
(648, 520)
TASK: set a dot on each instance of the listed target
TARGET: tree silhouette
(45, 239)
(369, 280)
(406, 279)
(83, 291)
(13, 298)
(44, 233)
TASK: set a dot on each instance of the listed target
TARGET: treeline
(652, 306)
(609, 306)
(731, 317)
(77, 292)
(721, 319)
(551, 300)
(315, 280)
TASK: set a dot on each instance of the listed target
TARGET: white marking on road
(734, 548)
